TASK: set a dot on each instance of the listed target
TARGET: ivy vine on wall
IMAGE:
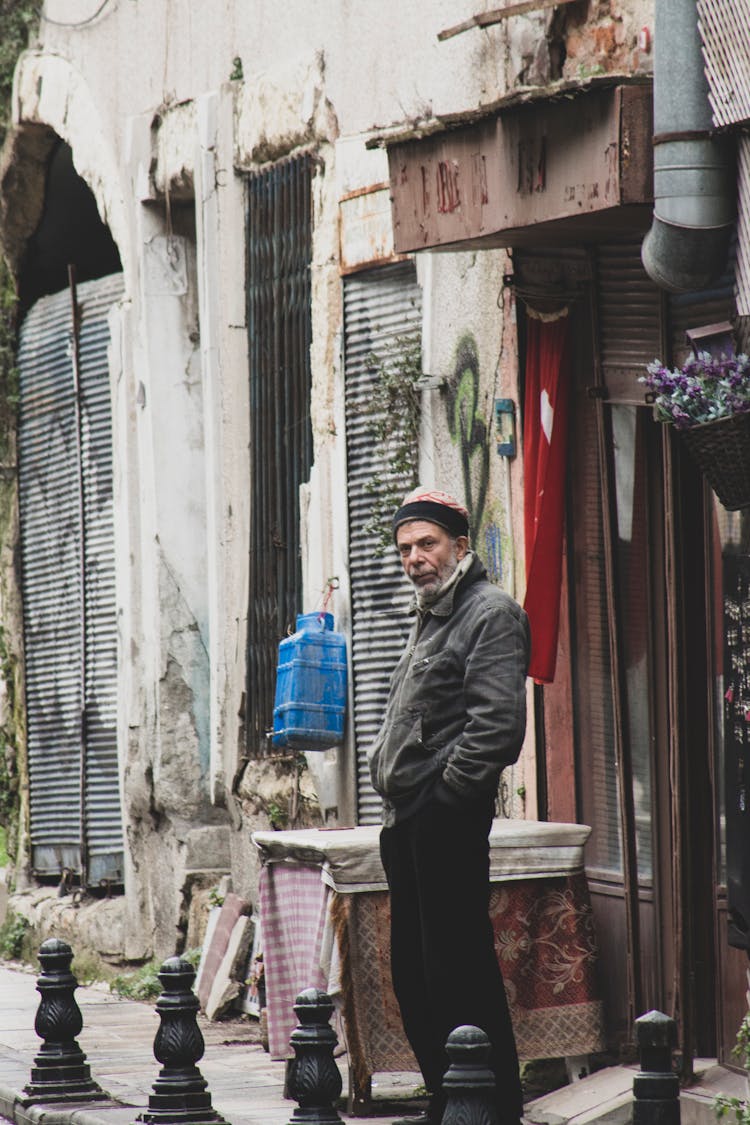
(18, 22)
(395, 411)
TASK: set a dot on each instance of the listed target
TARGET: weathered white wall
(375, 66)
(162, 128)
(470, 356)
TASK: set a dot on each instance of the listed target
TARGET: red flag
(545, 434)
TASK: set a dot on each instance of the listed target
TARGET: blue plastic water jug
(310, 702)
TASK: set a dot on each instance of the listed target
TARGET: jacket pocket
(397, 764)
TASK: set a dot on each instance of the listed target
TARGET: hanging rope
(326, 595)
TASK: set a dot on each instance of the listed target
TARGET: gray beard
(445, 580)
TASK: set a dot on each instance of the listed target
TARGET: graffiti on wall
(468, 429)
(493, 551)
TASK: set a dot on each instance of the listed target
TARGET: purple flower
(704, 388)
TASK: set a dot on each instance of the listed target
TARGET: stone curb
(100, 1112)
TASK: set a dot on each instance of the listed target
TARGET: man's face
(428, 554)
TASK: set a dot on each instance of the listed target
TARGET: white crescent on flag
(546, 415)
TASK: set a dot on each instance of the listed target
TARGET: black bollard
(314, 1081)
(60, 1072)
(656, 1088)
(469, 1082)
(180, 1093)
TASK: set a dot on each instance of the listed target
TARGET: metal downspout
(694, 176)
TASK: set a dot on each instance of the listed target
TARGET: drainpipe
(694, 178)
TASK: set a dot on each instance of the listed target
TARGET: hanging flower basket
(722, 452)
(708, 401)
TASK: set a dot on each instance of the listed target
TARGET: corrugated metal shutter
(103, 814)
(381, 306)
(70, 643)
(639, 323)
(629, 317)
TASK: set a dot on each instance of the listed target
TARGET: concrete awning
(568, 170)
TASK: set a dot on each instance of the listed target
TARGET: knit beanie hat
(435, 506)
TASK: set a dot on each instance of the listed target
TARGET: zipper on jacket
(412, 648)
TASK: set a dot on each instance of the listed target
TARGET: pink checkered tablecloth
(293, 909)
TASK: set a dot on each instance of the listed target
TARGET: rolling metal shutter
(381, 307)
(639, 323)
(67, 551)
(630, 316)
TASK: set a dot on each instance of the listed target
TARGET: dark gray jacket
(456, 712)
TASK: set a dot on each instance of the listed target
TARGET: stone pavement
(246, 1086)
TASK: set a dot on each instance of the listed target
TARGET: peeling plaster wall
(50, 90)
(380, 65)
(223, 342)
(143, 96)
(611, 36)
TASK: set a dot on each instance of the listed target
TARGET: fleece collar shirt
(456, 711)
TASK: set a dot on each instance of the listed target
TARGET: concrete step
(606, 1097)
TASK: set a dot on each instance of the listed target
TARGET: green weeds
(144, 983)
(13, 934)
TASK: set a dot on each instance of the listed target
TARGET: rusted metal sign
(365, 230)
(563, 167)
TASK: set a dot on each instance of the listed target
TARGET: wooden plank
(497, 15)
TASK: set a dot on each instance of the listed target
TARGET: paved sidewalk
(246, 1086)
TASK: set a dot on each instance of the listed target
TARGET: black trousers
(443, 962)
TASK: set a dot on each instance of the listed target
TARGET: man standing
(456, 716)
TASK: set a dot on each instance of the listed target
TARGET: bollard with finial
(469, 1083)
(314, 1081)
(656, 1088)
(180, 1093)
(60, 1072)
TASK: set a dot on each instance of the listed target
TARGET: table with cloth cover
(325, 922)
